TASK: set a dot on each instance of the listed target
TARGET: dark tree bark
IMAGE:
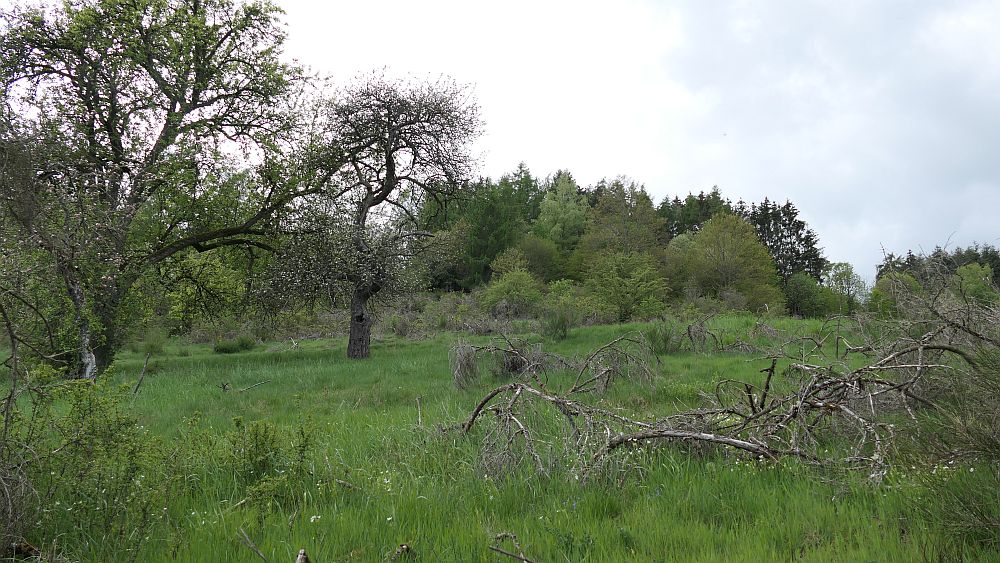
(359, 340)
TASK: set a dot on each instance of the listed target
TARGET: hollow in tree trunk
(359, 341)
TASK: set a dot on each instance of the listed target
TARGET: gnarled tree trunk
(359, 341)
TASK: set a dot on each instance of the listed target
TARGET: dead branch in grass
(826, 399)
(242, 534)
(518, 554)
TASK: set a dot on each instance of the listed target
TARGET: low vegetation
(298, 447)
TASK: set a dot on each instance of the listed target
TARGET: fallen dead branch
(245, 538)
(518, 554)
(259, 383)
(829, 412)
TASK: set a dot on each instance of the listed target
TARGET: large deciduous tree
(119, 129)
(726, 257)
(404, 144)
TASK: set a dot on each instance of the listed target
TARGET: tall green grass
(379, 472)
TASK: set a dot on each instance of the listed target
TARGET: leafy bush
(628, 284)
(514, 293)
(254, 450)
(404, 325)
(508, 261)
(452, 311)
(807, 298)
(887, 291)
(561, 310)
(557, 320)
(103, 475)
(542, 256)
(240, 344)
(974, 282)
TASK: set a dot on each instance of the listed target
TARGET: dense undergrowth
(301, 448)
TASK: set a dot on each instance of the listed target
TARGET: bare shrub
(18, 503)
(763, 330)
(517, 359)
(464, 366)
(666, 336)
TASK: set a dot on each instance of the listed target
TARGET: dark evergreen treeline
(918, 265)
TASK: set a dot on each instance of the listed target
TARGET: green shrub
(628, 284)
(254, 450)
(562, 310)
(884, 299)
(557, 320)
(404, 325)
(451, 311)
(514, 293)
(104, 480)
(240, 344)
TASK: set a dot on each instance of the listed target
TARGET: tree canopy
(111, 136)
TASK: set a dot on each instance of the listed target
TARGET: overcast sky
(879, 119)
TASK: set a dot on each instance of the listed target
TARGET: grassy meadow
(302, 448)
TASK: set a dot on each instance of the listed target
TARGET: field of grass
(357, 465)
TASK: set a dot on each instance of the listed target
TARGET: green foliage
(807, 298)
(563, 215)
(628, 284)
(556, 320)
(884, 296)
(923, 266)
(793, 246)
(849, 288)
(726, 258)
(561, 310)
(366, 477)
(675, 263)
(974, 283)
(690, 214)
(515, 293)
(125, 138)
(623, 219)
(493, 222)
(543, 258)
(202, 287)
(451, 311)
(508, 261)
(444, 261)
(254, 450)
(102, 474)
(154, 339)
(234, 346)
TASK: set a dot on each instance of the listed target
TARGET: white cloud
(877, 119)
